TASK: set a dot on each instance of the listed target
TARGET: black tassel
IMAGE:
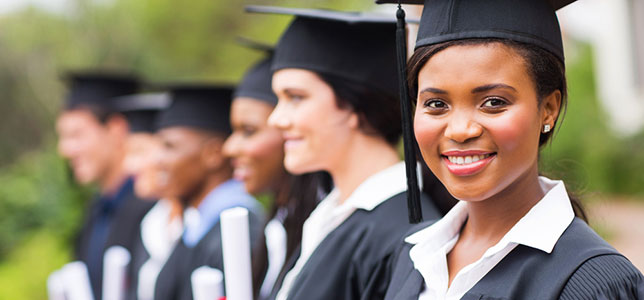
(413, 193)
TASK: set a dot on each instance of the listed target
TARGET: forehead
(476, 64)
(76, 118)
(248, 108)
(296, 78)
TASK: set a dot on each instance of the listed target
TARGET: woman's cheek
(427, 133)
(509, 131)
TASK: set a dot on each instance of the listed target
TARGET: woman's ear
(212, 155)
(117, 126)
(354, 121)
(550, 107)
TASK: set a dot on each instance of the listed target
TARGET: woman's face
(143, 152)
(182, 166)
(257, 150)
(478, 120)
(315, 130)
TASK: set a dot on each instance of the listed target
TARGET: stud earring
(546, 128)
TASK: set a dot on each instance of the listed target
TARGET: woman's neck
(492, 218)
(210, 183)
(363, 157)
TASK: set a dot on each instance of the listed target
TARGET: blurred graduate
(334, 75)
(488, 80)
(93, 136)
(162, 226)
(196, 172)
(257, 153)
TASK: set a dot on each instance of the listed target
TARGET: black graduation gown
(174, 283)
(581, 266)
(353, 261)
(122, 231)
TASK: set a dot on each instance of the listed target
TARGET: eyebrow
(488, 87)
(476, 90)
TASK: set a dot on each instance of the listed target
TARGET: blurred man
(92, 137)
(193, 130)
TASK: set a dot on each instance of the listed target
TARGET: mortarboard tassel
(413, 193)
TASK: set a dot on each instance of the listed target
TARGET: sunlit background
(599, 149)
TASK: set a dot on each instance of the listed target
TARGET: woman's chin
(297, 167)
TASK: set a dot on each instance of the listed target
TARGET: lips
(467, 163)
(291, 142)
(241, 173)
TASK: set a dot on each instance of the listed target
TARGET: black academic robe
(581, 266)
(353, 261)
(174, 283)
(122, 231)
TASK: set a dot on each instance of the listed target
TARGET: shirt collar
(544, 224)
(377, 188)
(540, 228)
(227, 195)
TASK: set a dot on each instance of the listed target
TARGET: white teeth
(463, 160)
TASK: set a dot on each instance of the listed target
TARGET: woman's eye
(296, 98)
(494, 103)
(435, 104)
(248, 132)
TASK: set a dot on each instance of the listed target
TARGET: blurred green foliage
(584, 152)
(168, 41)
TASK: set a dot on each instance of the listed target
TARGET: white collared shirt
(540, 228)
(159, 234)
(329, 214)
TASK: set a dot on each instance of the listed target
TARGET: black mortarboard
(527, 21)
(355, 46)
(204, 107)
(141, 110)
(256, 83)
(97, 88)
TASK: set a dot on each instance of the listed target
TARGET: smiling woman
(334, 77)
(489, 90)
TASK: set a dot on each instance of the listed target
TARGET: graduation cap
(205, 107)
(256, 83)
(528, 21)
(96, 89)
(141, 110)
(354, 46)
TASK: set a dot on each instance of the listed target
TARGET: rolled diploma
(236, 250)
(56, 286)
(76, 279)
(207, 283)
(115, 263)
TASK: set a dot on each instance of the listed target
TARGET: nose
(231, 146)
(279, 118)
(462, 127)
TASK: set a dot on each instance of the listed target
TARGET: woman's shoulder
(609, 276)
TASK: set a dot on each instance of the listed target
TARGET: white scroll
(76, 281)
(236, 250)
(56, 286)
(115, 264)
(207, 283)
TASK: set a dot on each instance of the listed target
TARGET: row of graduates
(315, 125)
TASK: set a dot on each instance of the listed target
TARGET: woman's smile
(466, 163)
